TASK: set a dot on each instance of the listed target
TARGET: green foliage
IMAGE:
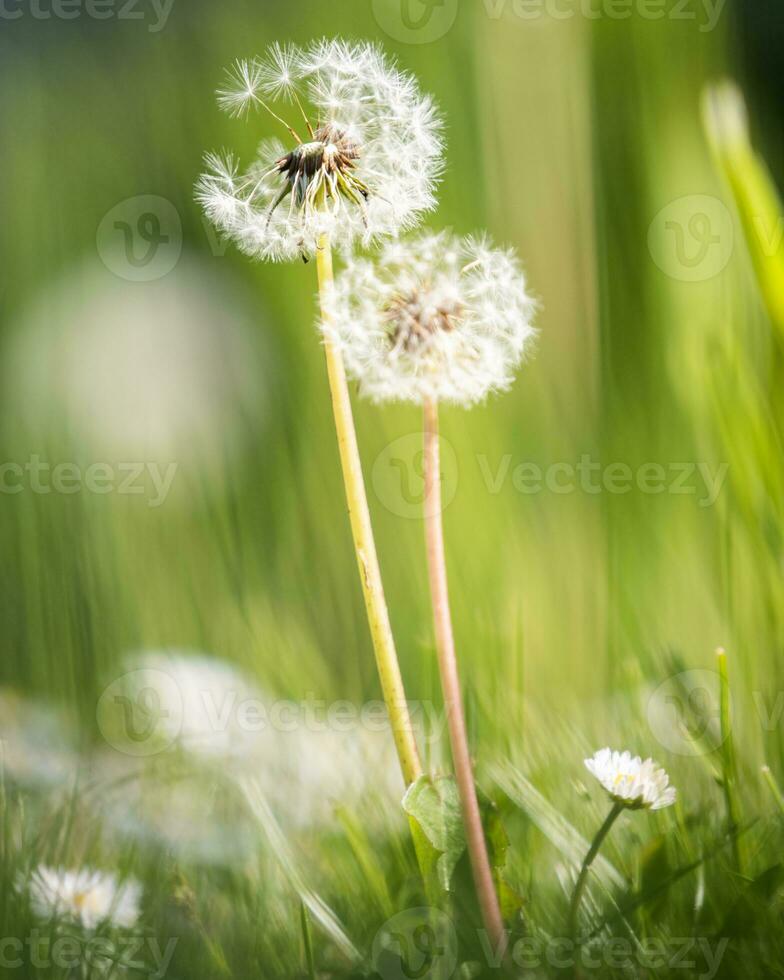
(435, 805)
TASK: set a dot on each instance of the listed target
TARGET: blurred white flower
(435, 317)
(630, 781)
(186, 810)
(199, 702)
(165, 370)
(85, 896)
(36, 743)
(320, 771)
(366, 165)
(725, 115)
(227, 728)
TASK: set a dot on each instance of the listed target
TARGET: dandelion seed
(84, 896)
(435, 318)
(279, 72)
(366, 166)
(632, 783)
(243, 82)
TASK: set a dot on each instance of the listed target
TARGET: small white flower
(85, 896)
(365, 165)
(630, 781)
(435, 317)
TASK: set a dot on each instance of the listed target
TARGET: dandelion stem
(593, 850)
(283, 122)
(304, 115)
(450, 683)
(364, 544)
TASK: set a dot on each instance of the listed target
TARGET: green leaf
(655, 874)
(747, 911)
(510, 899)
(753, 188)
(435, 805)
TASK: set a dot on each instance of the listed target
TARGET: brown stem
(450, 684)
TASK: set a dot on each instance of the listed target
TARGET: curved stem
(593, 850)
(450, 683)
(362, 531)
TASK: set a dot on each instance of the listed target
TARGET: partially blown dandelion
(438, 319)
(86, 897)
(365, 167)
(435, 318)
(365, 164)
(632, 784)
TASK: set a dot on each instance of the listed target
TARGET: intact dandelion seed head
(630, 781)
(435, 317)
(363, 155)
(84, 896)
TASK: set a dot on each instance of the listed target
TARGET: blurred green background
(566, 137)
(575, 138)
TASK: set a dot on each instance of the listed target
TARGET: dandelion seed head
(84, 896)
(436, 317)
(630, 781)
(364, 162)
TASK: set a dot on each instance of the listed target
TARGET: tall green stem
(362, 531)
(593, 850)
(450, 684)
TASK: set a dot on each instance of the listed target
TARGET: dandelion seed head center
(324, 166)
(417, 316)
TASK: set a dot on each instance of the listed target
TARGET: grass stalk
(450, 683)
(362, 531)
(307, 940)
(728, 762)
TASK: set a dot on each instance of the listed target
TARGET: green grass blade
(316, 906)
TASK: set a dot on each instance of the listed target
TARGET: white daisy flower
(434, 318)
(365, 166)
(630, 781)
(84, 896)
